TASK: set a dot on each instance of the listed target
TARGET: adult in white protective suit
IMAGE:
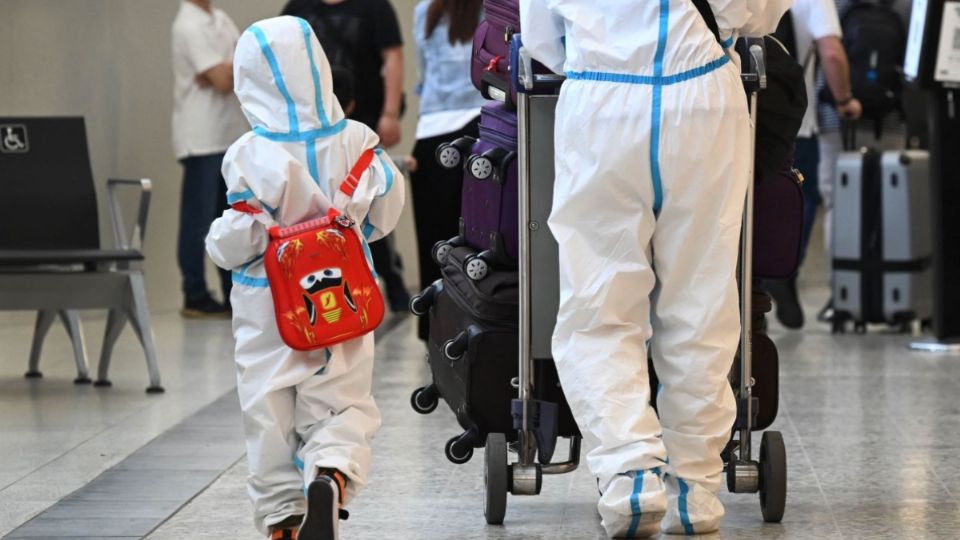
(303, 411)
(652, 163)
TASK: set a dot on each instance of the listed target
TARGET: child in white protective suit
(652, 162)
(308, 416)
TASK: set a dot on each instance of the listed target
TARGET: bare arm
(389, 125)
(219, 76)
(836, 70)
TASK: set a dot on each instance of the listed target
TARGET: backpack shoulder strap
(703, 6)
(350, 183)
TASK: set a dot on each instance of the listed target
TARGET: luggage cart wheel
(458, 452)
(480, 166)
(424, 400)
(773, 476)
(495, 471)
(476, 268)
(440, 251)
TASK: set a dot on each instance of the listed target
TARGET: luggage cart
(536, 421)
(767, 475)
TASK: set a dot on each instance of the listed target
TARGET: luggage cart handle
(525, 78)
(754, 70)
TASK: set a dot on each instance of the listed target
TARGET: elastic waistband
(651, 80)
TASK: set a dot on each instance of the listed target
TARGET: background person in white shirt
(816, 40)
(206, 121)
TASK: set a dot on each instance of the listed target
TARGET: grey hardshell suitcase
(881, 239)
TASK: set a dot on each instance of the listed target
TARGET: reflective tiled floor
(872, 432)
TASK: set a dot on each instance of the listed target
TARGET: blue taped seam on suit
(657, 106)
(301, 136)
(312, 163)
(316, 74)
(249, 281)
(240, 276)
(277, 77)
(656, 80)
(682, 506)
(635, 504)
(368, 228)
(369, 256)
(233, 198)
(298, 462)
(727, 43)
(387, 171)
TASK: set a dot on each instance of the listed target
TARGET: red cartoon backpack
(323, 290)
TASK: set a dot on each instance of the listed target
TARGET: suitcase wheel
(458, 450)
(480, 167)
(448, 156)
(440, 251)
(773, 476)
(425, 399)
(421, 303)
(455, 348)
(476, 268)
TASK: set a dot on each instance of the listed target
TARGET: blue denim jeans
(203, 198)
(807, 160)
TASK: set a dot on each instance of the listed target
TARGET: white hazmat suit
(652, 163)
(301, 410)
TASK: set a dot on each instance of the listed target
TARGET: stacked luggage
(474, 347)
(882, 252)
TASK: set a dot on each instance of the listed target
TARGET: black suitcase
(473, 353)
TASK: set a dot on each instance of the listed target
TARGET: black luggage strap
(543, 419)
(703, 6)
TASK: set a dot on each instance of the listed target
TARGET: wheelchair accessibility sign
(13, 139)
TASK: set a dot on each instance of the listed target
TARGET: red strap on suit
(347, 187)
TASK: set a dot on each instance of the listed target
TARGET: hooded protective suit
(652, 163)
(301, 410)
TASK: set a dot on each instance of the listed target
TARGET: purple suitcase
(777, 224)
(489, 206)
(491, 48)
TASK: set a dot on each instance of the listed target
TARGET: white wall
(109, 61)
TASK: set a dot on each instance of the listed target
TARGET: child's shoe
(324, 497)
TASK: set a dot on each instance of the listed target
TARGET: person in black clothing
(362, 37)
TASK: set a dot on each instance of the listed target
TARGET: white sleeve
(818, 17)
(379, 198)
(543, 34)
(254, 176)
(194, 44)
(763, 16)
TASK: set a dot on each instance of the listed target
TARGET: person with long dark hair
(449, 109)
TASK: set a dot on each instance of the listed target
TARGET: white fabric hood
(283, 79)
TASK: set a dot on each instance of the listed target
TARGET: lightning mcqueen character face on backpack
(323, 289)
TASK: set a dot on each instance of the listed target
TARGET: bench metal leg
(139, 314)
(45, 320)
(116, 320)
(71, 320)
